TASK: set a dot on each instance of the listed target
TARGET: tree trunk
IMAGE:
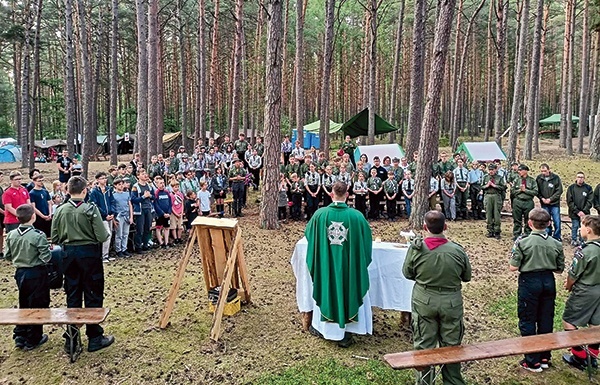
(431, 117)
(534, 79)
(70, 113)
(595, 145)
(459, 79)
(25, 85)
(372, 71)
(536, 130)
(517, 102)
(234, 124)
(593, 87)
(393, 109)
(585, 73)
(89, 131)
(35, 92)
(565, 118)
(417, 79)
(152, 80)
(489, 99)
(114, 82)
(270, 190)
(141, 128)
(200, 129)
(569, 114)
(212, 83)
(300, 113)
(326, 76)
(183, 77)
(501, 26)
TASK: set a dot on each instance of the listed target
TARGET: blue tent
(10, 154)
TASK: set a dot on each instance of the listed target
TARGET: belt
(438, 288)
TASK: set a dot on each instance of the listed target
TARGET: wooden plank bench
(56, 316)
(492, 349)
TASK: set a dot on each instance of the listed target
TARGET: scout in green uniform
(241, 146)
(493, 188)
(580, 198)
(438, 266)
(390, 187)
(583, 305)
(297, 190)
(259, 146)
(237, 176)
(513, 174)
(28, 250)
(348, 147)
(374, 186)
(522, 191)
(537, 257)
(77, 226)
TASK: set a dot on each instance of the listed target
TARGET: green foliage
(6, 108)
(330, 372)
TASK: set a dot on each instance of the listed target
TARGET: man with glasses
(13, 197)
(580, 197)
(42, 203)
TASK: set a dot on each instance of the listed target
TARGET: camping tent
(10, 153)
(315, 126)
(555, 119)
(50, 143)
(482, 151)
(359, 125)
(5, 141)
(381, 150)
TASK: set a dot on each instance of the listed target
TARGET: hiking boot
(546, 363)
(20, 342)
(347, 341)
(497, 236)
(575, 362)
(535, 368)
(42, 340)
(100, 342)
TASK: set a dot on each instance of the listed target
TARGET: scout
(237, 176)
(29, 252)
(374, 186)
(438, 266)
(583, 281)
(493, 187)
(580, 198)
(522, 191)
(77, 226)
(390, 187)
(537, 257)
(461, 177)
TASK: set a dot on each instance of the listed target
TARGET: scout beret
(523, 167)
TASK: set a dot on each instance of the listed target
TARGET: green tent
(555, 119)
(481, 151)
(315, 126)
(358, 125)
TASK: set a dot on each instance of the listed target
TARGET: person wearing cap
(14, 196)
(180, 151)
(461, 177)
(580, 198)
(184, 165)
(550, 189)
(522, 191)
(493, 188)
(237, 176)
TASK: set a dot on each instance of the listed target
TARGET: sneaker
(546, 363)
(535, 369)
(20, 342)
(575, 362)
(105, 260)
(140, 251)
(126, 254)
(497, 236)
(120, 255)
(163, 246)
(42, 341)
(490, 235)
(347, 341)
(100, 342)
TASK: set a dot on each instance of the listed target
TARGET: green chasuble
(338, 254)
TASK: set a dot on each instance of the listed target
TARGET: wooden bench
(56, 316)
(493, 349)
(229, 203)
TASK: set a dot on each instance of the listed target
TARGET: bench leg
(429, 375)
(75, 348)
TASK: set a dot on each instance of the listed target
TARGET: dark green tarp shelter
(555, 119)
(358, 125)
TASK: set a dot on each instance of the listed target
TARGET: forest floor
(264, 344)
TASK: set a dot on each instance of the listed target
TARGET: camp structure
(10, 153)
(481, 151)
(58, 144)
(358, 125)
(555, 119)
(311, 133)
(5, 141)
(381, 150)
(314, 127)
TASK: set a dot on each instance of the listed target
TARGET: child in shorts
(583, 281)
(163, 209)
(191, 208)
(177, 203)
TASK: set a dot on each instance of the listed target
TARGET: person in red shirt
(15, 196)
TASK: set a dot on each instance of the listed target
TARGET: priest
(338, 255)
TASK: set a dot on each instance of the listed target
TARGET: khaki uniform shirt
(537, 252)
(27, 247)
(78, 223)
(586, 264)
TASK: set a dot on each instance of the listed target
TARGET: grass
(264, 344)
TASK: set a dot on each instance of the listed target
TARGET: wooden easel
(223, 264)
